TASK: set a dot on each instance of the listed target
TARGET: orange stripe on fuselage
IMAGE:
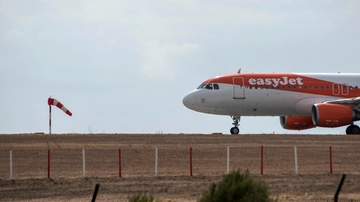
(289, 82)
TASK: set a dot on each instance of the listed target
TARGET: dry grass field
(173, 181)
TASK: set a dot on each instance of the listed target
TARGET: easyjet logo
(276, 81)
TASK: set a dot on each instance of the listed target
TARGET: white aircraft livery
(301, 100)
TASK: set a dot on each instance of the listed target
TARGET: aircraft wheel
(348, 130)
(355, 130)
(234, 130)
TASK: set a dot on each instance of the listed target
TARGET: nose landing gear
(235, 129)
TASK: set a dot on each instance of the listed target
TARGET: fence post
(296, 163)
(156, 161)
(95, 192)
(49, 163)
(228, 160)
(119, 162)
(339, 187)
(83, 155)
(11, 173)
(262, 160)
(330, 154)
(190, 161)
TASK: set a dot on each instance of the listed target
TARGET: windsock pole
(50, 119)
(52, 101)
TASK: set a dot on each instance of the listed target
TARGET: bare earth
(173, 181)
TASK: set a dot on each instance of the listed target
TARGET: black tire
(355, 130)
(234, 130)
(348, 130)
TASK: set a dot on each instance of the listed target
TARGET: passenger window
(305, 87)
(300, 87)
(322, 87)
(327, 87)
(356, 87)
(310, 87)
(316, 87)
(289, 87)
(294, 87)
(216, 86)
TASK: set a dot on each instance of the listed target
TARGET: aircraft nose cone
(188, 100)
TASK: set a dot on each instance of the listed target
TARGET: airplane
(301, 100)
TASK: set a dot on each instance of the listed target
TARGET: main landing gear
(352, 129)
(235, 129)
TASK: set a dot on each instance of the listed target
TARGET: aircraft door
(344, 89)
(239, 88)
(336, 89)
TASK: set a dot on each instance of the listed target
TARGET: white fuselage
(271, 94)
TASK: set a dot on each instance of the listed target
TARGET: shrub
(142, 198)
(236, 186)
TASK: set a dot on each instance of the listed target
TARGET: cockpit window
(209, 86)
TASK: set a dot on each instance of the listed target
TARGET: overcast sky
(124, 66)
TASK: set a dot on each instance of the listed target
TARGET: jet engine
(333, 115)
(296, 122)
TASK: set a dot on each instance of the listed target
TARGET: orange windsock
(54, 102)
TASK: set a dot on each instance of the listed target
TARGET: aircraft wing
(351, 101)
